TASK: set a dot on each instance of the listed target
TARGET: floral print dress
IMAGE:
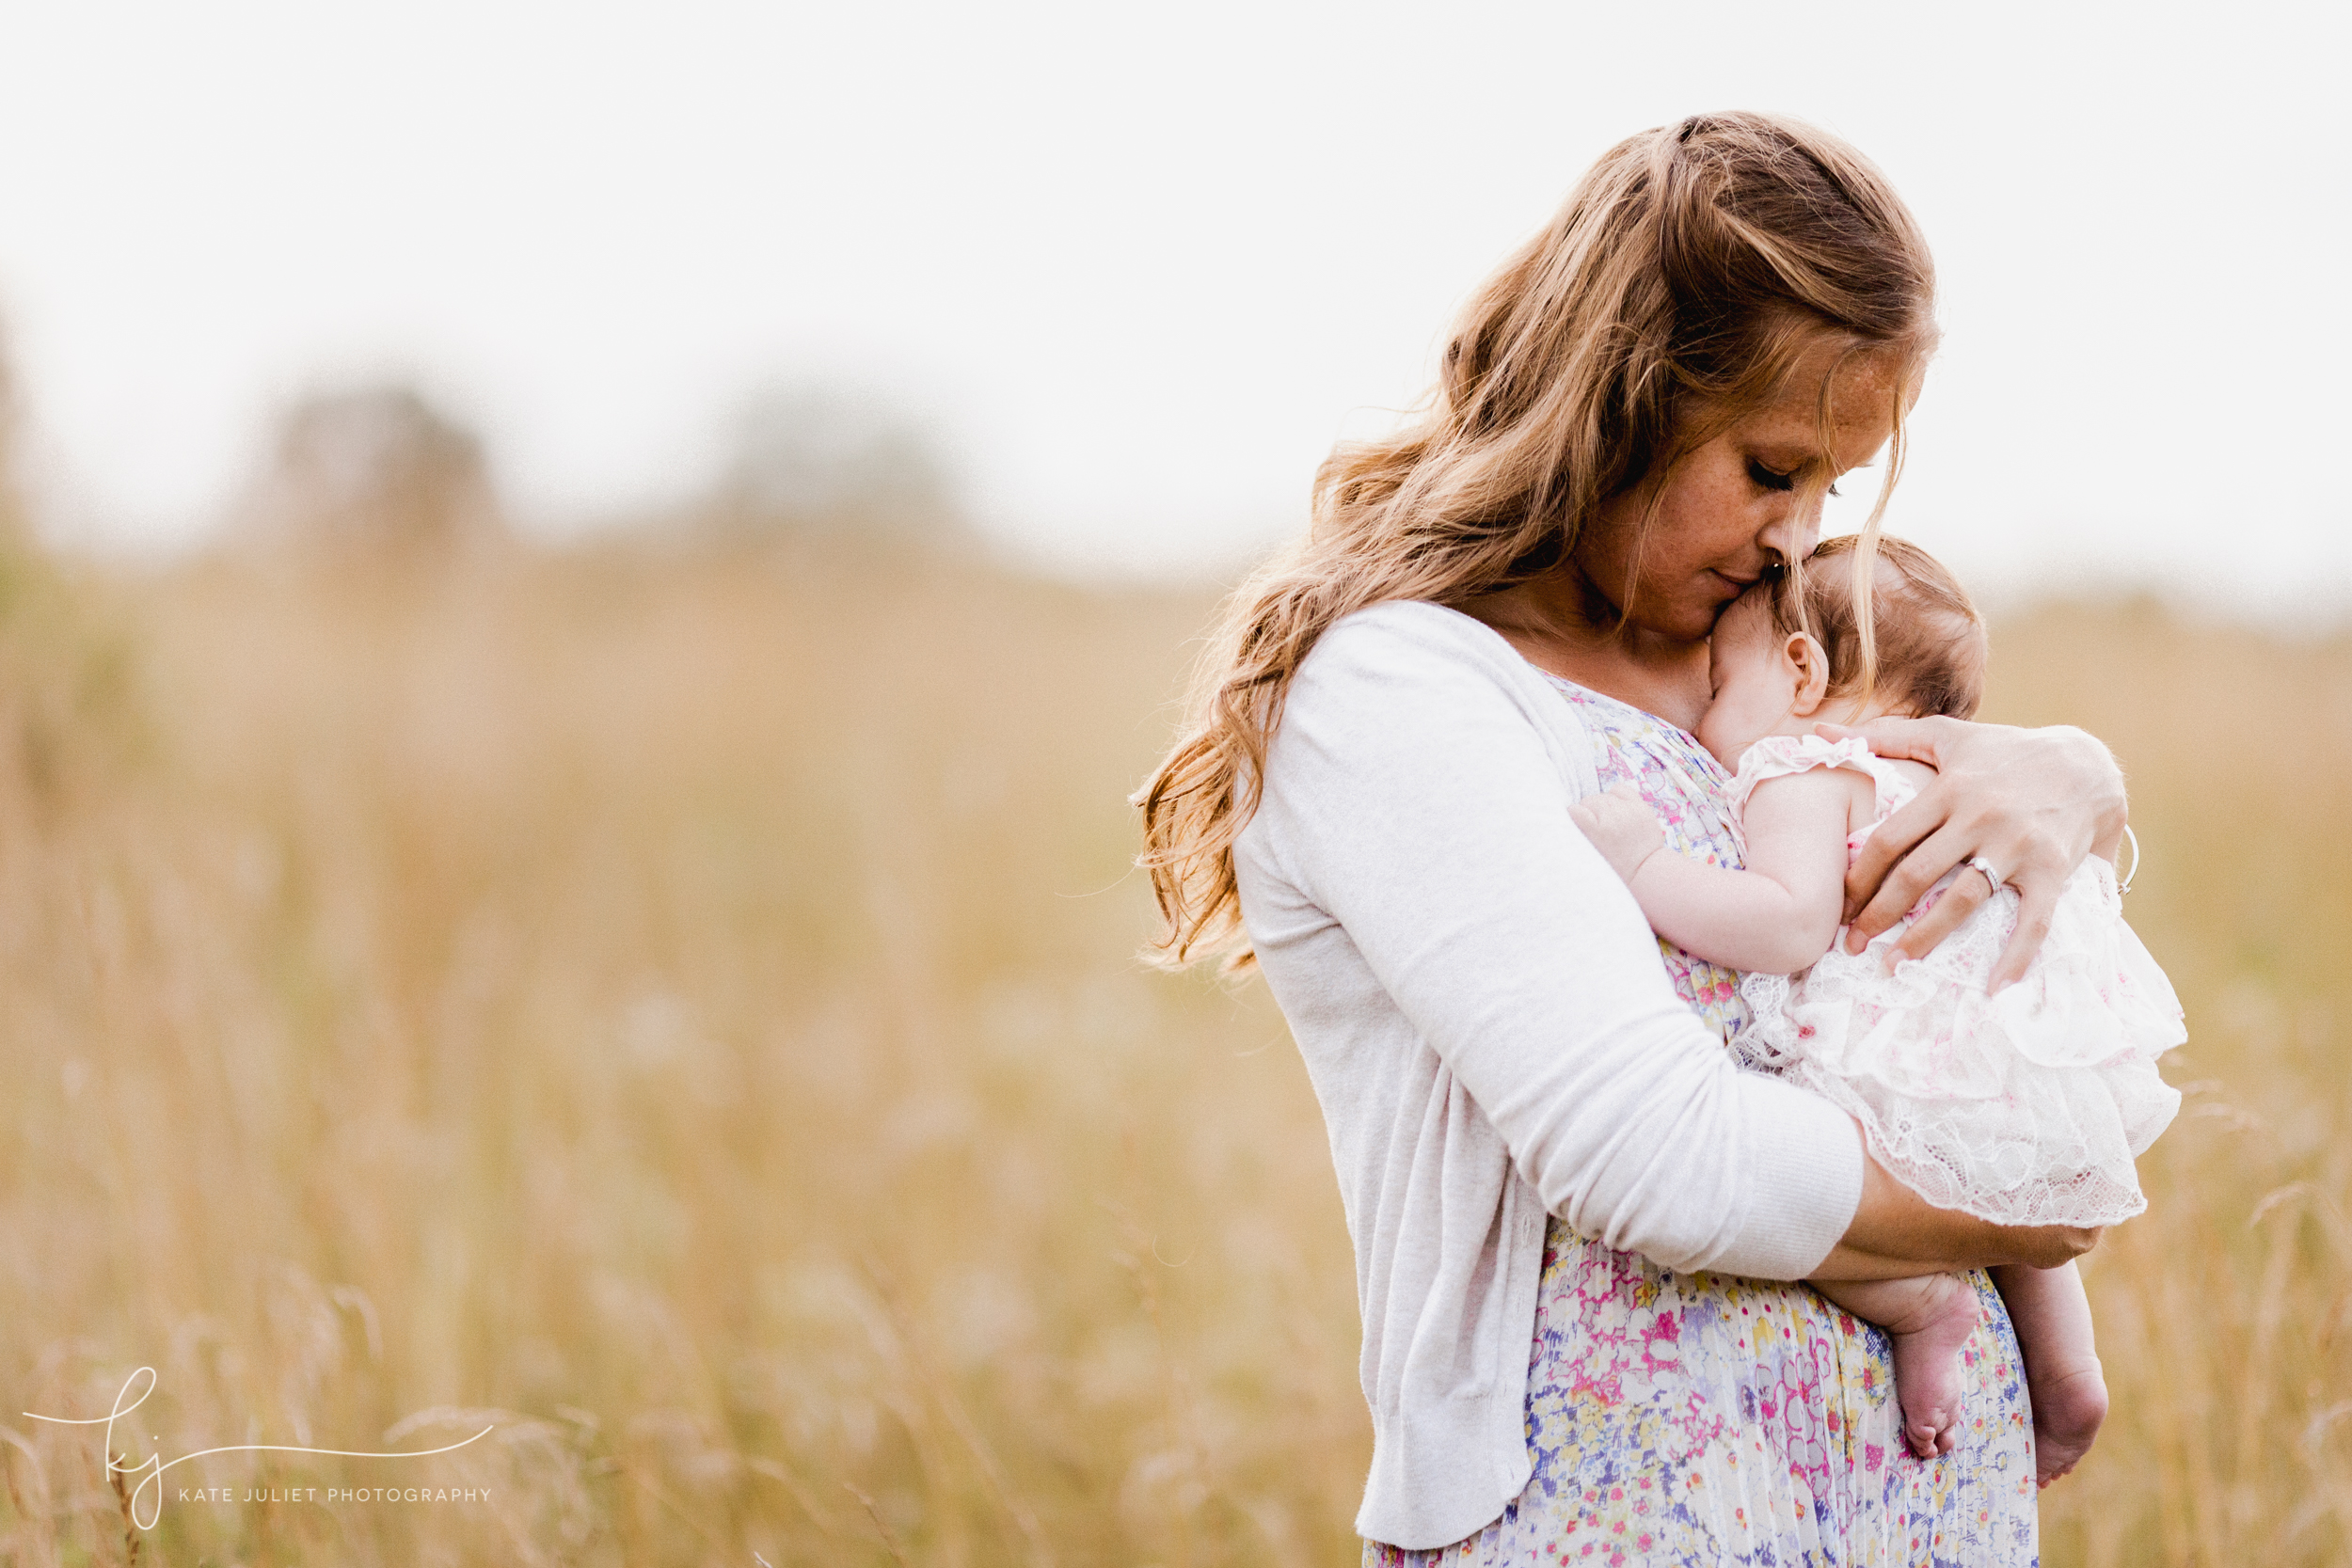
(1697, 1419)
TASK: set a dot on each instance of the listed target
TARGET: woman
(1575, 1222)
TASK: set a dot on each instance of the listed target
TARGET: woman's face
(1731, 509)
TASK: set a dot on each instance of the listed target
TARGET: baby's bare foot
(2067, 1407)
(1927, 1364)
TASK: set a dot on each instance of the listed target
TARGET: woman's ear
(1811, 663)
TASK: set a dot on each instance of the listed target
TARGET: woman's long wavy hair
(1688, 272)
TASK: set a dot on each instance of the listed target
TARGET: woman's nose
(1793, 535)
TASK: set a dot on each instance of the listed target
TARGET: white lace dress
(2024, 1108)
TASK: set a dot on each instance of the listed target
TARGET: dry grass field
(676, 1010)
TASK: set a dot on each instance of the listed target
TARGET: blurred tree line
(380, 469)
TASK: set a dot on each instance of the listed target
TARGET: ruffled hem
(2025, 1108)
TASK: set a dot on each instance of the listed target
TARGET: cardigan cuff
(1805, 1182)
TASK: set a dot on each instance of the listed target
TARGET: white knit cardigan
(1492, 1036)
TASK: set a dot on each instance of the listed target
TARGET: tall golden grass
(677, 1010)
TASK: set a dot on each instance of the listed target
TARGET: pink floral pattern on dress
(1697, 1419)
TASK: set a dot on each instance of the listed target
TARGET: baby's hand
(1621, 826)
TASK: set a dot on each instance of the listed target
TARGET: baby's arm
(1777, 916)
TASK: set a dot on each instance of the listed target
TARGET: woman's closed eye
(1774, 479)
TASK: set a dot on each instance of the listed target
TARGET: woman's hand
(2033, 802)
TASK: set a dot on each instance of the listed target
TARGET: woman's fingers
(1925, 741)
(1933, 847)
(1888, 843)
(2041, 873)
(2049, 1247)
(1956, 904)
(2037, 897)
(2031, 803)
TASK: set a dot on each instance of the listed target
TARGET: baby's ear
(1811, 663)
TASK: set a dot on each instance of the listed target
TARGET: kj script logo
(151, 1469)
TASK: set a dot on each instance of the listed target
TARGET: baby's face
(1755, 681)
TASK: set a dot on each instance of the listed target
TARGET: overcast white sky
(1145, 263)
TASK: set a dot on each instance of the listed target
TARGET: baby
(2022, 1108)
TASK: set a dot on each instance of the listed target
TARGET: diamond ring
(1991, 874)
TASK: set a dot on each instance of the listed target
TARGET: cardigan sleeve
(1412, 797)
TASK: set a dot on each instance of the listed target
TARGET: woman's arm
(1896, 1233)
(1415, 798)
(1776, 916)
(2033, 802)
(1412, 852)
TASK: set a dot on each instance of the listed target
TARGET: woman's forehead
(1861, 411)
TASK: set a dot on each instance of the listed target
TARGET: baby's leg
(1930, 1317)
(2051, 1316)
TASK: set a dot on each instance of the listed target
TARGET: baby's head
(1792, 651)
